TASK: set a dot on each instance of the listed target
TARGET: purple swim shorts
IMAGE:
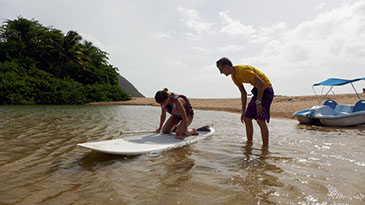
(267, 98)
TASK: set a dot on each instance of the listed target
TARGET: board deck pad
(142, 144)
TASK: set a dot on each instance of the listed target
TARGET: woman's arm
(162, 119)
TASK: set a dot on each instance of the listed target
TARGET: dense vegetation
(41, 65)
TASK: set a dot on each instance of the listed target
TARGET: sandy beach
(282, 107)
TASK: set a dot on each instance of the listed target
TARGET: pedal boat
(331, 113)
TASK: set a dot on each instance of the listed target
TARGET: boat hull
(324, 115)
(308, 120)
(350, 120)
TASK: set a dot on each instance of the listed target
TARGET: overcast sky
(175, 43)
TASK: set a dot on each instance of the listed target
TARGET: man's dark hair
(224, 61)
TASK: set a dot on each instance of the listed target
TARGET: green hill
(42, 65)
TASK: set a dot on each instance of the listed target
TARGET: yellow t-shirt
(246, 74)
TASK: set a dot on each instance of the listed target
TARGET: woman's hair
(162, 95)
(224, 61)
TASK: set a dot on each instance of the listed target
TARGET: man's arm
(243, 100)
(260, 85)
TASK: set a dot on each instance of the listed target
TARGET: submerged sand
(282, 106)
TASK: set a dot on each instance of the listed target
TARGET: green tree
(40, 65)
(70, 49)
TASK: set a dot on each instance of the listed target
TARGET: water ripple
(304, 164)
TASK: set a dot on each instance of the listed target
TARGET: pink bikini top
(173, 109)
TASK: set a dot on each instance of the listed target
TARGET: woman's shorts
(190, 116)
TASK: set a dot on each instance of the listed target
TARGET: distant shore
(282, 106)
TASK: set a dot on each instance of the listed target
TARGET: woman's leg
(181, 128)
(170, 124)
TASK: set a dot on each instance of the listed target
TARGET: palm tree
(97, 56)
(71, 50)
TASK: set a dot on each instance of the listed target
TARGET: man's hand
(260, 110)
(242, 117)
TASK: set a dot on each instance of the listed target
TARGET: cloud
(265, 34)
(192, 36)
(337, 35)
(254, 34)
(234, 27)
(230, 48)
(176, 64)
(330, 45)
(162, 35)
(196, 25)
(201, 50)
(193, 21)
(320, 6)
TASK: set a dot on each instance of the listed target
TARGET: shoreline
(282, 106)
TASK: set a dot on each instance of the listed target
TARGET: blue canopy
(337, 81)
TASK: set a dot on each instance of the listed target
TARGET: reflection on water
(40, 162)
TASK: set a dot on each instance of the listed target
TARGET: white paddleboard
(137, 145)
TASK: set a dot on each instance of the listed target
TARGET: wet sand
(282, 107)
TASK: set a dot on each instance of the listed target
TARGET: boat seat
(344, 108)
(330, 103)
(359, 106)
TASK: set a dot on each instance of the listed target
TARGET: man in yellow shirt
(263, 94)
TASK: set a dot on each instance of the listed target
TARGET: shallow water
(40, 162)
